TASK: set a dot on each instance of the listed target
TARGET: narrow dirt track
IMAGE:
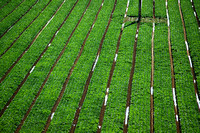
(69, 74)
(128, 102)
(5, 4)
(47, 77)
(103, 108)
(12, 10)
(152, 74)
(76, 116)
(189, 57)
(29, 72)
(25, 29)
(195, 13)
(125, 130)
(178, 127)
(18, 19)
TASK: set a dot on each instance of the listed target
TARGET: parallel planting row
(77, 66)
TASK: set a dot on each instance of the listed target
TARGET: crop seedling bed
(99, 66)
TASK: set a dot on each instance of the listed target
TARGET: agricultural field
(99, 66)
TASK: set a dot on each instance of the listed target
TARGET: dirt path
(18, 19)
(152, 74)
(128, 102)
(29, 72)
(69, 75)
(195, 13)
(73, 127)
(178, 128)
(12, 10)
(25, 29)
(189, 57)
(103, 108)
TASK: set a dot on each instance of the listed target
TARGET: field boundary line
(103, 108)
(5, 4)
(128, 102)
(25, 29)
(176, 111)
(125, 129)
(152, 74)
(18, 19)
(189, 57)
(69, 74)
(195, 13)
(12, 10)
(76, 116)
(29, 72)
(58, 58)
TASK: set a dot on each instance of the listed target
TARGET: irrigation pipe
(76, 116)
(103, 108)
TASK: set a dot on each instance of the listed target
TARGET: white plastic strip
(174, 97)
(99, 127)
(52, 115)
(198, 101)
(194, 81)
(107, 90)
(176, 117)
(32, 69)
(92, 26)
(186, 45)
(151, 90)
(115, 57)
(136, 35)
(190, 61)
(10, 28)
(95, 63)
(153, 27)
(126, 118)
(49, 44)
(106, 99)
(57, 33)
(195, 14)
(122, 25)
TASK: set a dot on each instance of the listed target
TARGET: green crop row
(18, 72)
(21, 44)
(12, 5)
(139, 116)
